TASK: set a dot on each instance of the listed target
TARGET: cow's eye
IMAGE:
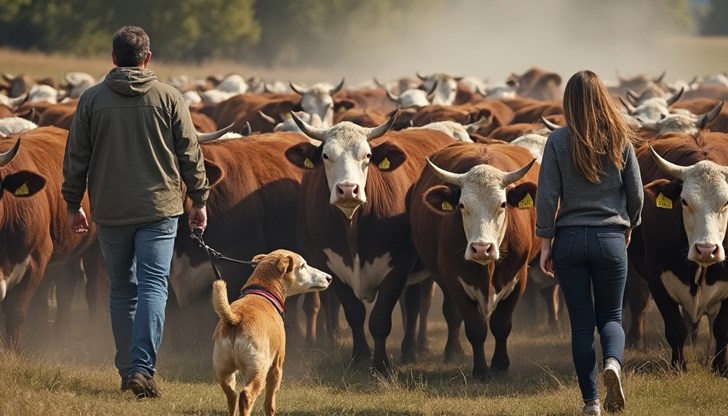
(368, 156)
(503, 205)
(325, 156)
(461, 206)
(683, 202)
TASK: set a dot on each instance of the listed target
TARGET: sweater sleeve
(189, 154)
(548, 193)
(77, 158)
(633, 187)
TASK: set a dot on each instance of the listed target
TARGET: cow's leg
(380, 320)
(355, 313)
(97, 287)
(329, 320)
(293, 319)
(427, 292)
(453, 348)
(411, 309)
(638, 298)
(66, 278)
(550, 294)
(501, 323)
(16, 302)
(720, 332)
(311, 307)
(476, 330)
(675, 329)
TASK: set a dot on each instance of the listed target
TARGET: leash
(214, 255)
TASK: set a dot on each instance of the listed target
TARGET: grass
(74, 375)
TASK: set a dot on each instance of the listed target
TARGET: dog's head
(295, 274)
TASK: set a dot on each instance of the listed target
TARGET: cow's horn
(420, 76)
(208, 137)
(6, 157)
(659, 79)
(672, 100)
(379, 131)
(670, 168)
(391, 96)
(447, 176)
(267, 118)
(296, 88)
(630, 108)
(337, 88)
(511, 177)
(549, 124)
(633, 96)
(308, 130)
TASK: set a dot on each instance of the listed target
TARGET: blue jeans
(138, 259)
(591, 265)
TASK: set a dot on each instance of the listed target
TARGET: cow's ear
(522, 196)
(304, 155)
(343, 104)
(387, 156)
(442, 199)
(23, 184)
(662, 192)
(214, 172)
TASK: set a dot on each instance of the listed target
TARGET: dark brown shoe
(143, 386)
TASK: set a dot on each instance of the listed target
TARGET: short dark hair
(130, 45)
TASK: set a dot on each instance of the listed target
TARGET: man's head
(131, 47)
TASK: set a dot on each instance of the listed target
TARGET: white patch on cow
(487, 306)
(14, 125)
(40, 92)
(364, 279)
(189, 281)
(707, 299)
(452, 128)
(417, 277)
(346, 153)
(533, 142)
(16, 275)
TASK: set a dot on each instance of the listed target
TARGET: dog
(250, 336)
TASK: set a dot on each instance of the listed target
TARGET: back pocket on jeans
(613, 246)
(562, 244)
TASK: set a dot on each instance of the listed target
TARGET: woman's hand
(547, 265)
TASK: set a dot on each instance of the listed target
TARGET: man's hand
(197, 218)
(77, 221)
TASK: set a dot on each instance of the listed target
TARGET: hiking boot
(125, 384)
(592, 408)
(143, 386)
(614, 402)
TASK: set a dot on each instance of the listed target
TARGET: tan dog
(250, 337)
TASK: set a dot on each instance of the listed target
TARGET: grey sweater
(565, 198)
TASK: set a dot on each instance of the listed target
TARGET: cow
(317, 99)
(352, 220)
(33, 227)
(538, 84)
(680, 245)
(473, 227)
(443, 87)
(682, 122)
(252, 208)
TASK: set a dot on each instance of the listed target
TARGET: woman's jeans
(591, 265)
(138, 259)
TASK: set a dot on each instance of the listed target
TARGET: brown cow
(467, 211)
(33, 225)
(352, 222)
(680, 246)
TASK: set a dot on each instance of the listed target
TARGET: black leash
(213, 254)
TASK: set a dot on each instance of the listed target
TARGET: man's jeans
(138, 259)
(591, 263)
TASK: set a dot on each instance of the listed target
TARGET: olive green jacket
(133, 139)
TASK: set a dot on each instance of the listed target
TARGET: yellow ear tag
(23, 190)
(384, 164)
(341, 109)
(446, 206)
(526, 202)
(307, 163)
(285, 116)
(663, 202)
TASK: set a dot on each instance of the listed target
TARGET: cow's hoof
(453, 355)
(482, 376)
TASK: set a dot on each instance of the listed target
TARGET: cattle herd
(392, 187)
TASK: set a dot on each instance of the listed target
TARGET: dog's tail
(221, 305)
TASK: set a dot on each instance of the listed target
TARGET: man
(133, 140)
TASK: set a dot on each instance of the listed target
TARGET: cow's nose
(347, 190)
(706, 250)
(481, 250)
(328, 278)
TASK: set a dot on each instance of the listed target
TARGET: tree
(714, 23)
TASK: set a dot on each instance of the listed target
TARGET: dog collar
(270, 296)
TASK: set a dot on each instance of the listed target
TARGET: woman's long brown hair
(597, 128)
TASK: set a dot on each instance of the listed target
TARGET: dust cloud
(492, 39)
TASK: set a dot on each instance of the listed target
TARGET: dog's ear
(285, 264)
(258, 258)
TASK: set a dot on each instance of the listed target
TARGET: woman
(588, 201)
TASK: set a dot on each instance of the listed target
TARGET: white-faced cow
(317, 99)
(352, 220)
(473, 227)
(680, 249)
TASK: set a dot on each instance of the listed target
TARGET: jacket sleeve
(633, 187)
(77, 158)
(548, 193)
(189, 154)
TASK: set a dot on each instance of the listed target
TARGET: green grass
(74, 375)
